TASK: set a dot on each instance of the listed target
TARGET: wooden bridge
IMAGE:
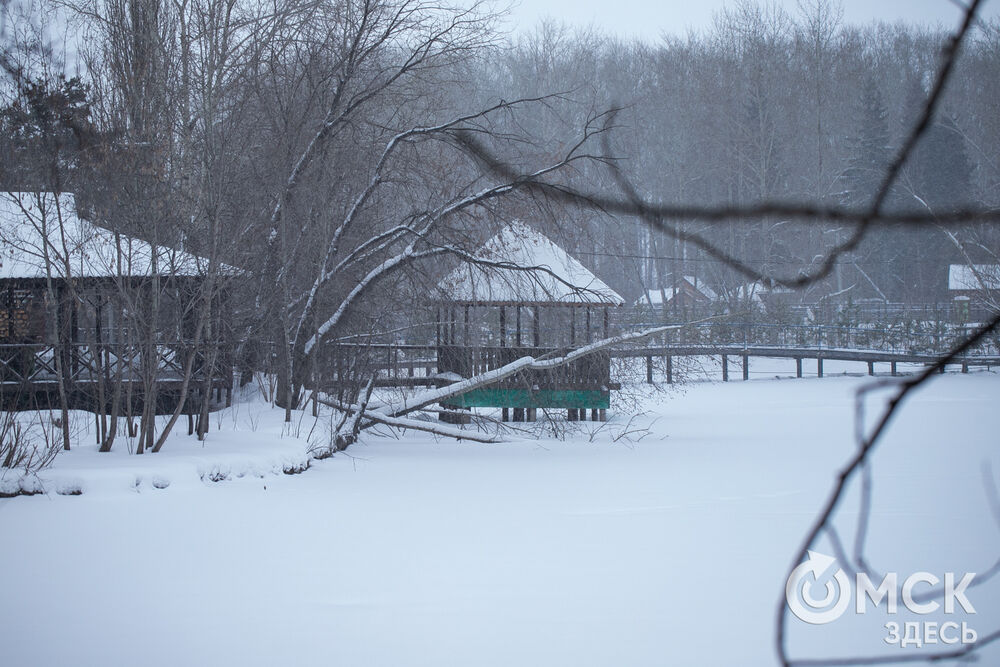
(416, 365)
(744, 353)
(735, 343)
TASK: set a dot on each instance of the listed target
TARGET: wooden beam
(503, 327)
(466, 333)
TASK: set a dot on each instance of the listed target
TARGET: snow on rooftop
(974, 276)
(560, 278)
(91, 251)
(657, 296)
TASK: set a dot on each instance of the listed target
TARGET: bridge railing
(911, 338)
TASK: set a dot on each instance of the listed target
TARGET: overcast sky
(650, 18)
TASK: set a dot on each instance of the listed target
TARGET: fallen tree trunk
(392, 414)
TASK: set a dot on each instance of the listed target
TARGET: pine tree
(880, 257)
(870, 154)
(941, 169)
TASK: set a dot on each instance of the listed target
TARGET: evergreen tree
(880, 258)
(941, 170)
(43, 131)
(870, 149)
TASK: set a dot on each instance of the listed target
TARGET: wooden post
(505, 415)
(725, 368)
(798, 368)
(74, 315)
(503, 329)
(746, 367)
(465, 339)
(532, 414)
(893, 368)
(518, 340)
(965, 367)
(670, 370)
(649, 369)
(537, 327)
(819, 367)
(587, 336)
(871, 368)
(571, 415)
(572, 326)
(605, 322)
(603, 414)
(519, 414)
(437, 327)
(593, 414)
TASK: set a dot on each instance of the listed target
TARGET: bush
(26, 445)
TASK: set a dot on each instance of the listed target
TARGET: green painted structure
(499, 397)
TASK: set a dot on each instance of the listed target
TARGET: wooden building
(685, 292)
(974, 287)
(76, 301)
(523, 295)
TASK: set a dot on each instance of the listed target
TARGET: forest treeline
(770, 105)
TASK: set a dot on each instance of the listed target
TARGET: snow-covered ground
(668, 546)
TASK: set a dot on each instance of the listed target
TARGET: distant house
(972, 288)
(972, 280)
(687, 292)
(760, 294)
(71, 288)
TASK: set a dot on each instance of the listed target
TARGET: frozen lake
(668, 546)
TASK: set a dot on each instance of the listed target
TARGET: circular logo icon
(817, 572)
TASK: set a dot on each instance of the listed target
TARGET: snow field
(669, 547)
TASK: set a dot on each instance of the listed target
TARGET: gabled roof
(28, 219)
(687, 284)
(559, 278)
(974, 277)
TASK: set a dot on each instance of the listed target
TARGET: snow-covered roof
(559, 278)
(28, 219)
(974, 277)
(757, 290)
(657, 296)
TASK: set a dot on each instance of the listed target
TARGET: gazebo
(62, 281)
(523, 295)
